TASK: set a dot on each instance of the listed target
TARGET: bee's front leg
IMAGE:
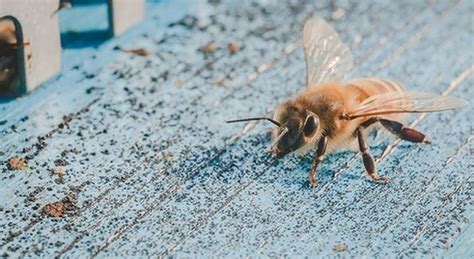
(322, 145)
(369, 163)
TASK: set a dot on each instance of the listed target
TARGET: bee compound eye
(310, 125)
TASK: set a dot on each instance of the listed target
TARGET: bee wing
(405, 102)
(327, 58)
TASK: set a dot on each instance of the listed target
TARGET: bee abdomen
(373, 86)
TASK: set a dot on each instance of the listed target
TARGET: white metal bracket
(123, 14)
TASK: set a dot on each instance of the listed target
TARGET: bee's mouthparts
(277, 152)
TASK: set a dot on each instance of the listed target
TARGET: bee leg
(369, 163)
(404, 133)
(368, 122)
(322, 145)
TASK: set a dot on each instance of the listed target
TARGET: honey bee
(331, 113)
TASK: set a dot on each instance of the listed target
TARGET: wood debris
(340, 247)
(142, 52)
(59, 171)
(338, 14)
(58, 209)
(209, 48)
(17, 163)
(233, 48)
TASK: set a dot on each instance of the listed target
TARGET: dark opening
(12, 72)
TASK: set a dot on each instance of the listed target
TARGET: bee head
(298, 127)
(295, 128)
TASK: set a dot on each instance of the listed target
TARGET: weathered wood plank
(156, 171)
(462, 245)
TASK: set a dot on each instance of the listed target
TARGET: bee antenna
(256, 119)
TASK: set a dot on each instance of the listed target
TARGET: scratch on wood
(460, 149)
(417, 36)
(292, 47)
(435, 215)
(380, 44)
(456, 82)
(163, 197)
(265, 66)
(420, 191)
(210, 215)
(100, 197)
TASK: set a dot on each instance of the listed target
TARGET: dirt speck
(92, 89)
(341, 247)
(188, 22)
(178, 82)
(60, 162)
(208, 48)
(168, 156)
(233, 48)
(338, 14)
(66, 120)
(445, 243)
(60, 208)
(17, 163)
(218, 82)
(59, 171)
(88, 75)
(40, 143)
(31, 197)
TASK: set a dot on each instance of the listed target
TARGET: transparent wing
(327, 58)
(406, 102)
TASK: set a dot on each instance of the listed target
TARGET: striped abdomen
(367, 87)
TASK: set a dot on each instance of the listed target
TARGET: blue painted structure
(157, 172)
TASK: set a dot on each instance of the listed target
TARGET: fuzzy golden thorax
(316, 112)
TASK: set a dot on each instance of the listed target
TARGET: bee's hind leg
(369, 163)
(322, 145)
(404, 133)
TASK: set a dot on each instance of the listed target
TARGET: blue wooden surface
(157, 172)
